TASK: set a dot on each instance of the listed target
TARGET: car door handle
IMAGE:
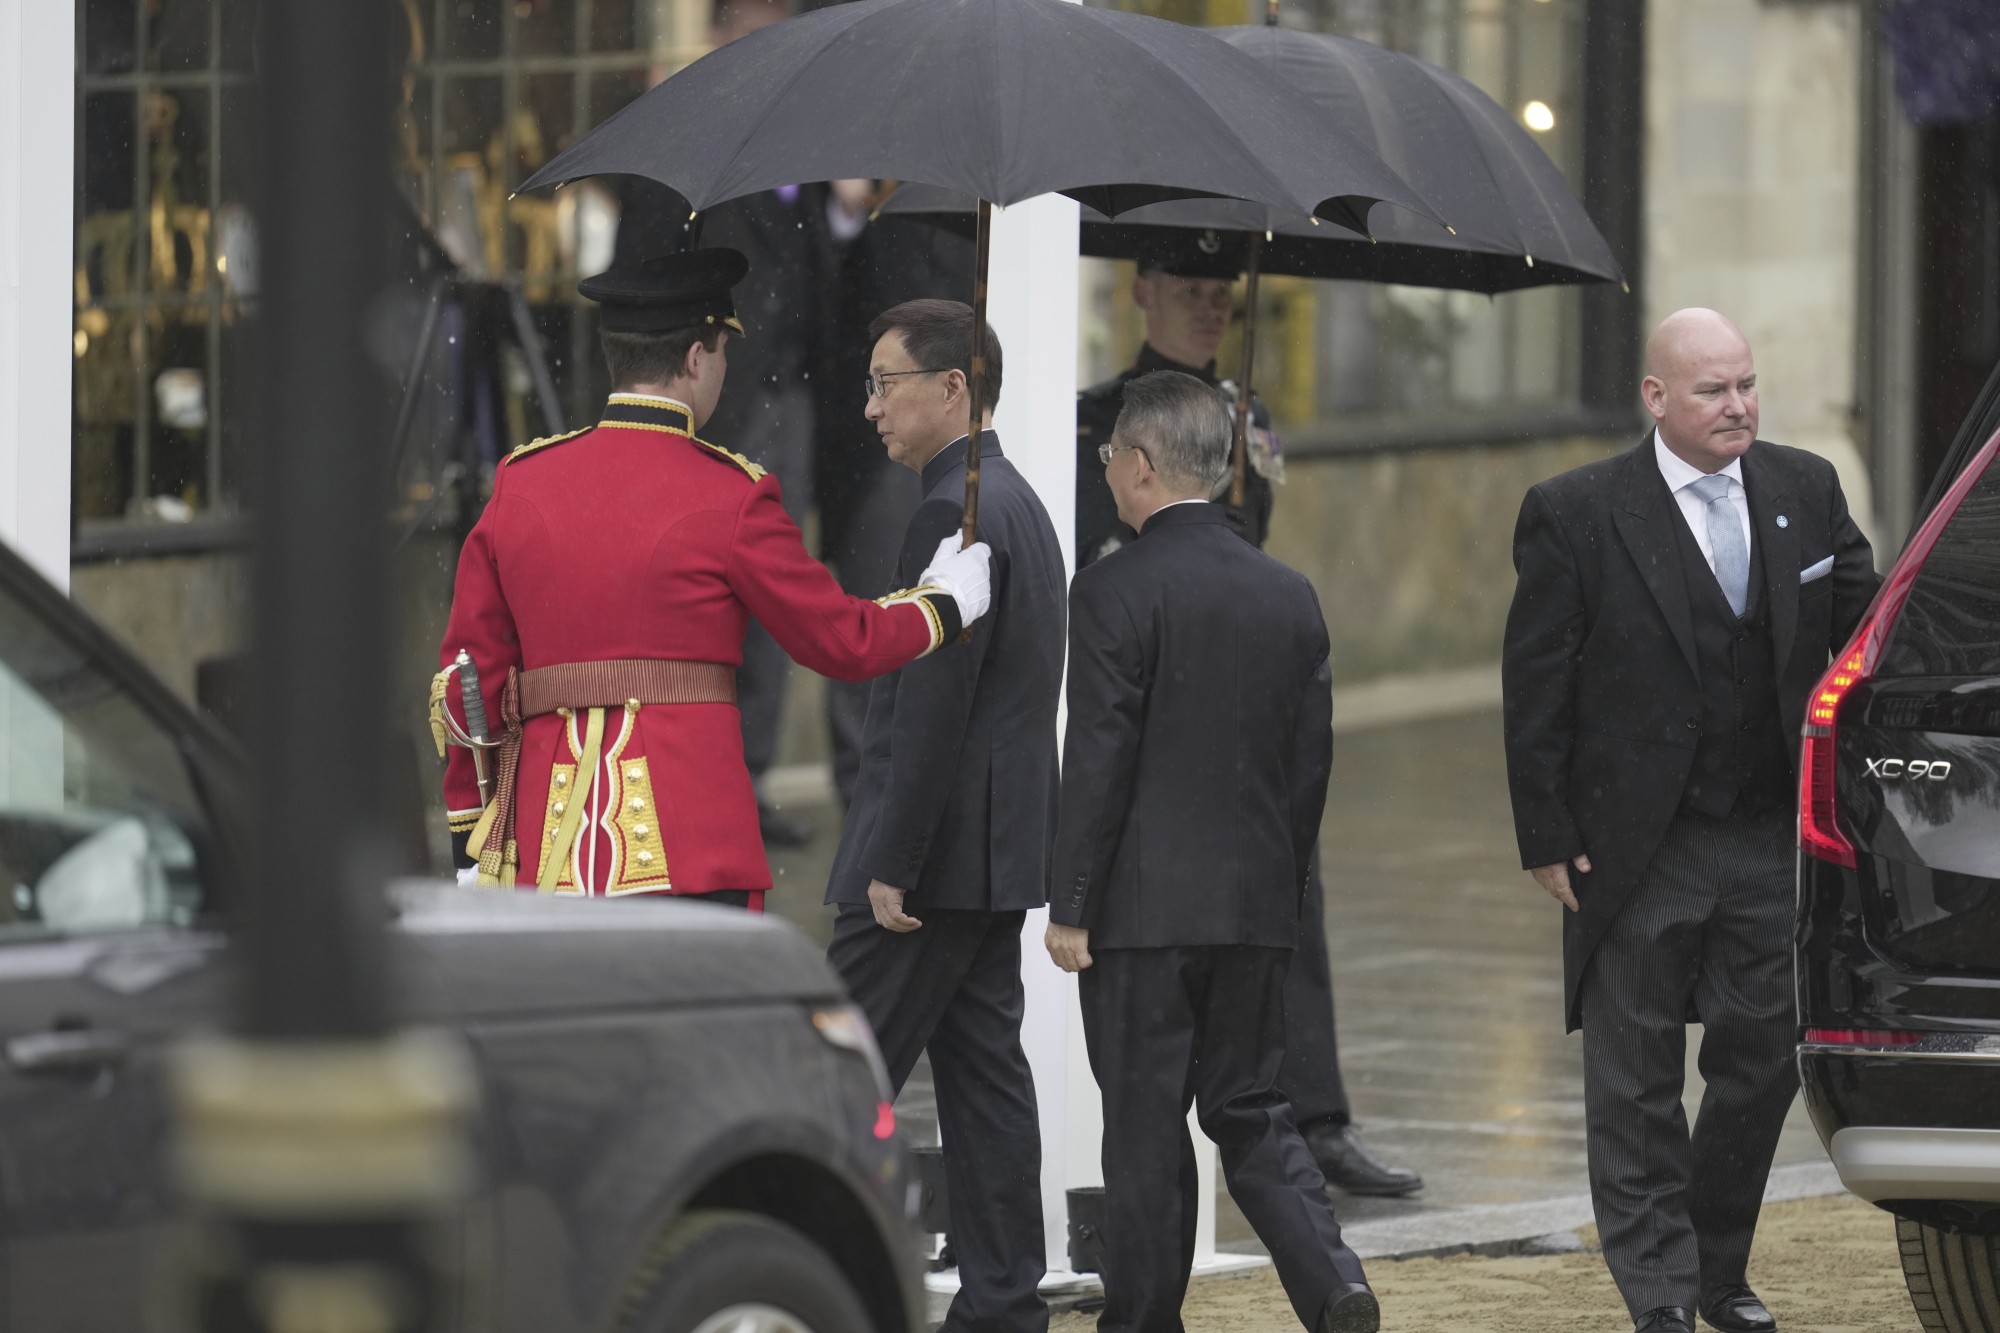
(68, 1051)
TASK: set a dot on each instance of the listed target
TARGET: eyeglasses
(877, 388)
(1107, 450)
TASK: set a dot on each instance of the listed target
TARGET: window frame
(211, 82)
(217, 767)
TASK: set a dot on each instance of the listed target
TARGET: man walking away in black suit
(1676, 605)
(1185, 288)
(1194, 778)
(946, 845)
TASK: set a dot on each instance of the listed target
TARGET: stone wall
(1753, 172)
(1412, 551)
(173, 611)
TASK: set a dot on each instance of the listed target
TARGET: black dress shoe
(1736, 1310)
(1348, 1167)
(1351, 1311)
(1666, 1319)
(782, 830)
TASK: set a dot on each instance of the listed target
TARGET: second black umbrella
(1001, 99)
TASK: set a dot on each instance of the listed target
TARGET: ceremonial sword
(475, 720)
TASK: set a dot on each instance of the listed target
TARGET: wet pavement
(1447, 974)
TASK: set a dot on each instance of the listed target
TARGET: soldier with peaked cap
(1185, 288)
(603, 598)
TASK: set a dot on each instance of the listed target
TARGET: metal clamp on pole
(332, 1139)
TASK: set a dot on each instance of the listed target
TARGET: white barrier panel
(37, 165)
(1031, 304)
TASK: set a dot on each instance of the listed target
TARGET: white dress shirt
(1681, 474)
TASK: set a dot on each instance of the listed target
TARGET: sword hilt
(473, 698)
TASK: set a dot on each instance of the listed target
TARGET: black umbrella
(1516, 222)
(1001, 100)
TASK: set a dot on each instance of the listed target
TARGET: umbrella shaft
(1240, 449)
(975, 388)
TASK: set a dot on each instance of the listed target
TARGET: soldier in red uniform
(603, 596)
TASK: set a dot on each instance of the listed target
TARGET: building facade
(1790, 162)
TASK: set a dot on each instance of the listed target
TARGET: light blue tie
(1729, 554)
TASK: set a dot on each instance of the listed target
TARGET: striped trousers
(1705, 936)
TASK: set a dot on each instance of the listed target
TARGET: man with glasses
(946, 845)
(1186, 289)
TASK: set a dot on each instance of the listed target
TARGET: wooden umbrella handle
(976, 378)
(975, 387)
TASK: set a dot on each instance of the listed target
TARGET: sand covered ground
(1822, 1265)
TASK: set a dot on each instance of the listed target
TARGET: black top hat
(667, 293)
(1193, 254)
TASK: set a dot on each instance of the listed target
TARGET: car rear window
(1951, 624)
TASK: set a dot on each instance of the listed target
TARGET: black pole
(413, 386)
(310, 950)
(530, 340)
(323, 1150)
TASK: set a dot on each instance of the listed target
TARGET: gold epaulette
(754, 472)
(535, 446)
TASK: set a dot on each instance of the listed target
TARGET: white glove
(963, 574)
(468, 877)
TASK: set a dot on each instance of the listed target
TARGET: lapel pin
(1783, 522)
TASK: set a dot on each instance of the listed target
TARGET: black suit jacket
(956, 796)
(1602, 696)
(1200, 741)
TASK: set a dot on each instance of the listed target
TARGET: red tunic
(633, 539)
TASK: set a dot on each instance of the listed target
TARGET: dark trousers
(1310, 1075)
(953, 988)
(864, 518)
(1200, 1026)
(776, 433)
(1707, 931)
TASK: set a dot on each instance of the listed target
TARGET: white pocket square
(1817, 570)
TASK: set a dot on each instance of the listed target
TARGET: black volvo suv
(1899, 895)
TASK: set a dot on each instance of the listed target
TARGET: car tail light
(1819, 829)
(1820, 834)
(1860, 1037)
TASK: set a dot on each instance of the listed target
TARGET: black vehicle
(684, 1126)
(1899, 895)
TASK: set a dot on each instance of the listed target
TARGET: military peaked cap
(1193, 254)
(667, 293)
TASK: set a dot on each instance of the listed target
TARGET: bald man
(1676, 604)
